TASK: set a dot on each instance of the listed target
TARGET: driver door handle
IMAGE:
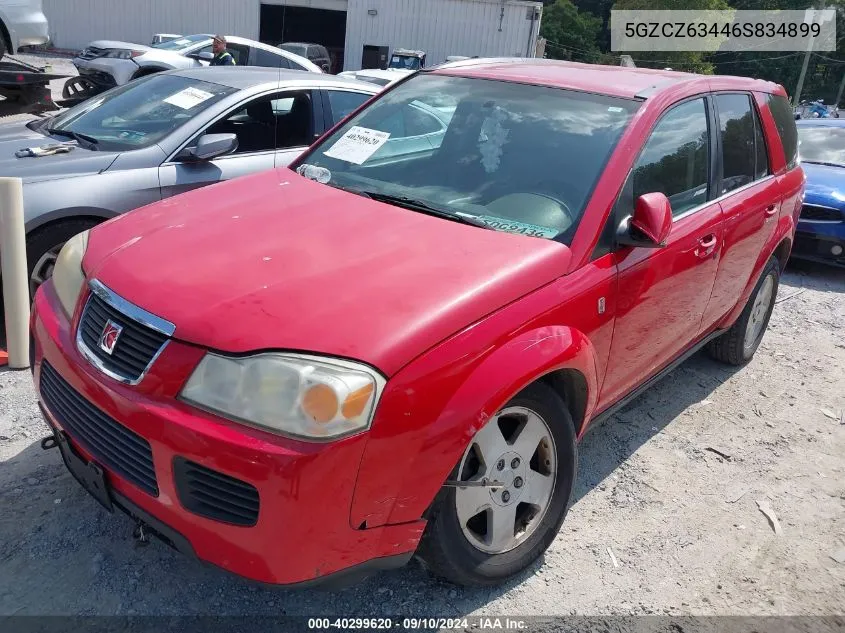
(706, 246)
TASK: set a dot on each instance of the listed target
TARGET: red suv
(394, 346)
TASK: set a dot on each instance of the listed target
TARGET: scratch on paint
(545, 338)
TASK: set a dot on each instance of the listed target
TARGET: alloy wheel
(515, 450)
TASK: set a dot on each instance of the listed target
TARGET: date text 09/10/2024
(480, 623)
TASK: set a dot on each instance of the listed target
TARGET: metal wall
(75, 23)
(442, 28)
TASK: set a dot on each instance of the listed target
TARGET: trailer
(25, 88)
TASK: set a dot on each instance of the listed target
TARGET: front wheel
(484, 534)
(43, 246)
(738, 345)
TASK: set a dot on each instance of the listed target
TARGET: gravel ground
(671, 487)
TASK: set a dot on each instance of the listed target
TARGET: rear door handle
(771, 210)
(706, 246)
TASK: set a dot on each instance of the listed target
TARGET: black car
(315, 53)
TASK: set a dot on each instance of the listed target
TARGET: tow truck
(25, 88)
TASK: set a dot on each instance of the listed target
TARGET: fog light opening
(836, 250)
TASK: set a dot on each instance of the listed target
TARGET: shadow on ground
(61, 553)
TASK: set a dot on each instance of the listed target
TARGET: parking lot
(666, 516)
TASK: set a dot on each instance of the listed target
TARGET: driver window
(676, 159)
(279, 121)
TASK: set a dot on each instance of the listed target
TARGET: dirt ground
(671, 487)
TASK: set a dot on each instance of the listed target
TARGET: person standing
(222, 57)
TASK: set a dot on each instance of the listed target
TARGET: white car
(382, 78)
(22, 23)
(108, 64)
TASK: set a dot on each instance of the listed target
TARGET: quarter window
(785, 123)
(676, 159)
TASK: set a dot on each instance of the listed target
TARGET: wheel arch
(395, 487)
(46, 220)
(782, 252)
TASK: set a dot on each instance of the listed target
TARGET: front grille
(214, 495)
(111, 444)
(137, 345)
(826, 214)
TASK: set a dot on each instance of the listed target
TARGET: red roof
(619, 81)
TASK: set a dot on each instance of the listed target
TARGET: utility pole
(797, 98)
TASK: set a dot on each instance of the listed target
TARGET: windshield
(821, 144)
(517, 158)
(296, 49)
(182, 43)
(405, 62)
(140, 113)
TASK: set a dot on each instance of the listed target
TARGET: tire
(738, 345)
(49, 238)
(449, 550)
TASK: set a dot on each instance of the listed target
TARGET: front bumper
(115, 72)
(822, 242)
(302, 534)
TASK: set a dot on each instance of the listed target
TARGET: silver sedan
(158, 137)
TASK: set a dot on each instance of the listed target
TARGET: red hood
(275, 261)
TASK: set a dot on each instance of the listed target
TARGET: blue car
(821, 228)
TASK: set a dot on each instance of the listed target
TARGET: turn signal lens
(320, 404)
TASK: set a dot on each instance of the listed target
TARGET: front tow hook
(49, 442)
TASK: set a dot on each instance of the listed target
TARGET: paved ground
(671, 487)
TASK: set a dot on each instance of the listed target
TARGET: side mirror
(203, 56)
(650, 225)
(210, 146)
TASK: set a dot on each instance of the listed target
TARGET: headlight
(302, 396)
(119, 53)
(68, 278)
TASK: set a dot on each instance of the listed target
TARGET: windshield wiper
(90, 140)
(427, 208)
(822, 162)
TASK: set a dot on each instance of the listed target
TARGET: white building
(484, 28)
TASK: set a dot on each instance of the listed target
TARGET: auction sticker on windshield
(357, 145)
(188, 98)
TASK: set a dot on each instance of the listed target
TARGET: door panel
(750, 200)
(750, 217)
(178, 178)
(662, 295)
(663, 292)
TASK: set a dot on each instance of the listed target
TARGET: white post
(13, 270)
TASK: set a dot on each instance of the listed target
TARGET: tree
(571, 34)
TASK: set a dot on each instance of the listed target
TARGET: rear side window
(344, 103)
(676, 158)
(736, 126)
(785, 123)
(270, 59)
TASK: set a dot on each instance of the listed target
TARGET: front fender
(436, 405)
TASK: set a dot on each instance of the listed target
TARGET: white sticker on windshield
(523, 228)
(188, 98)
(357, 145)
